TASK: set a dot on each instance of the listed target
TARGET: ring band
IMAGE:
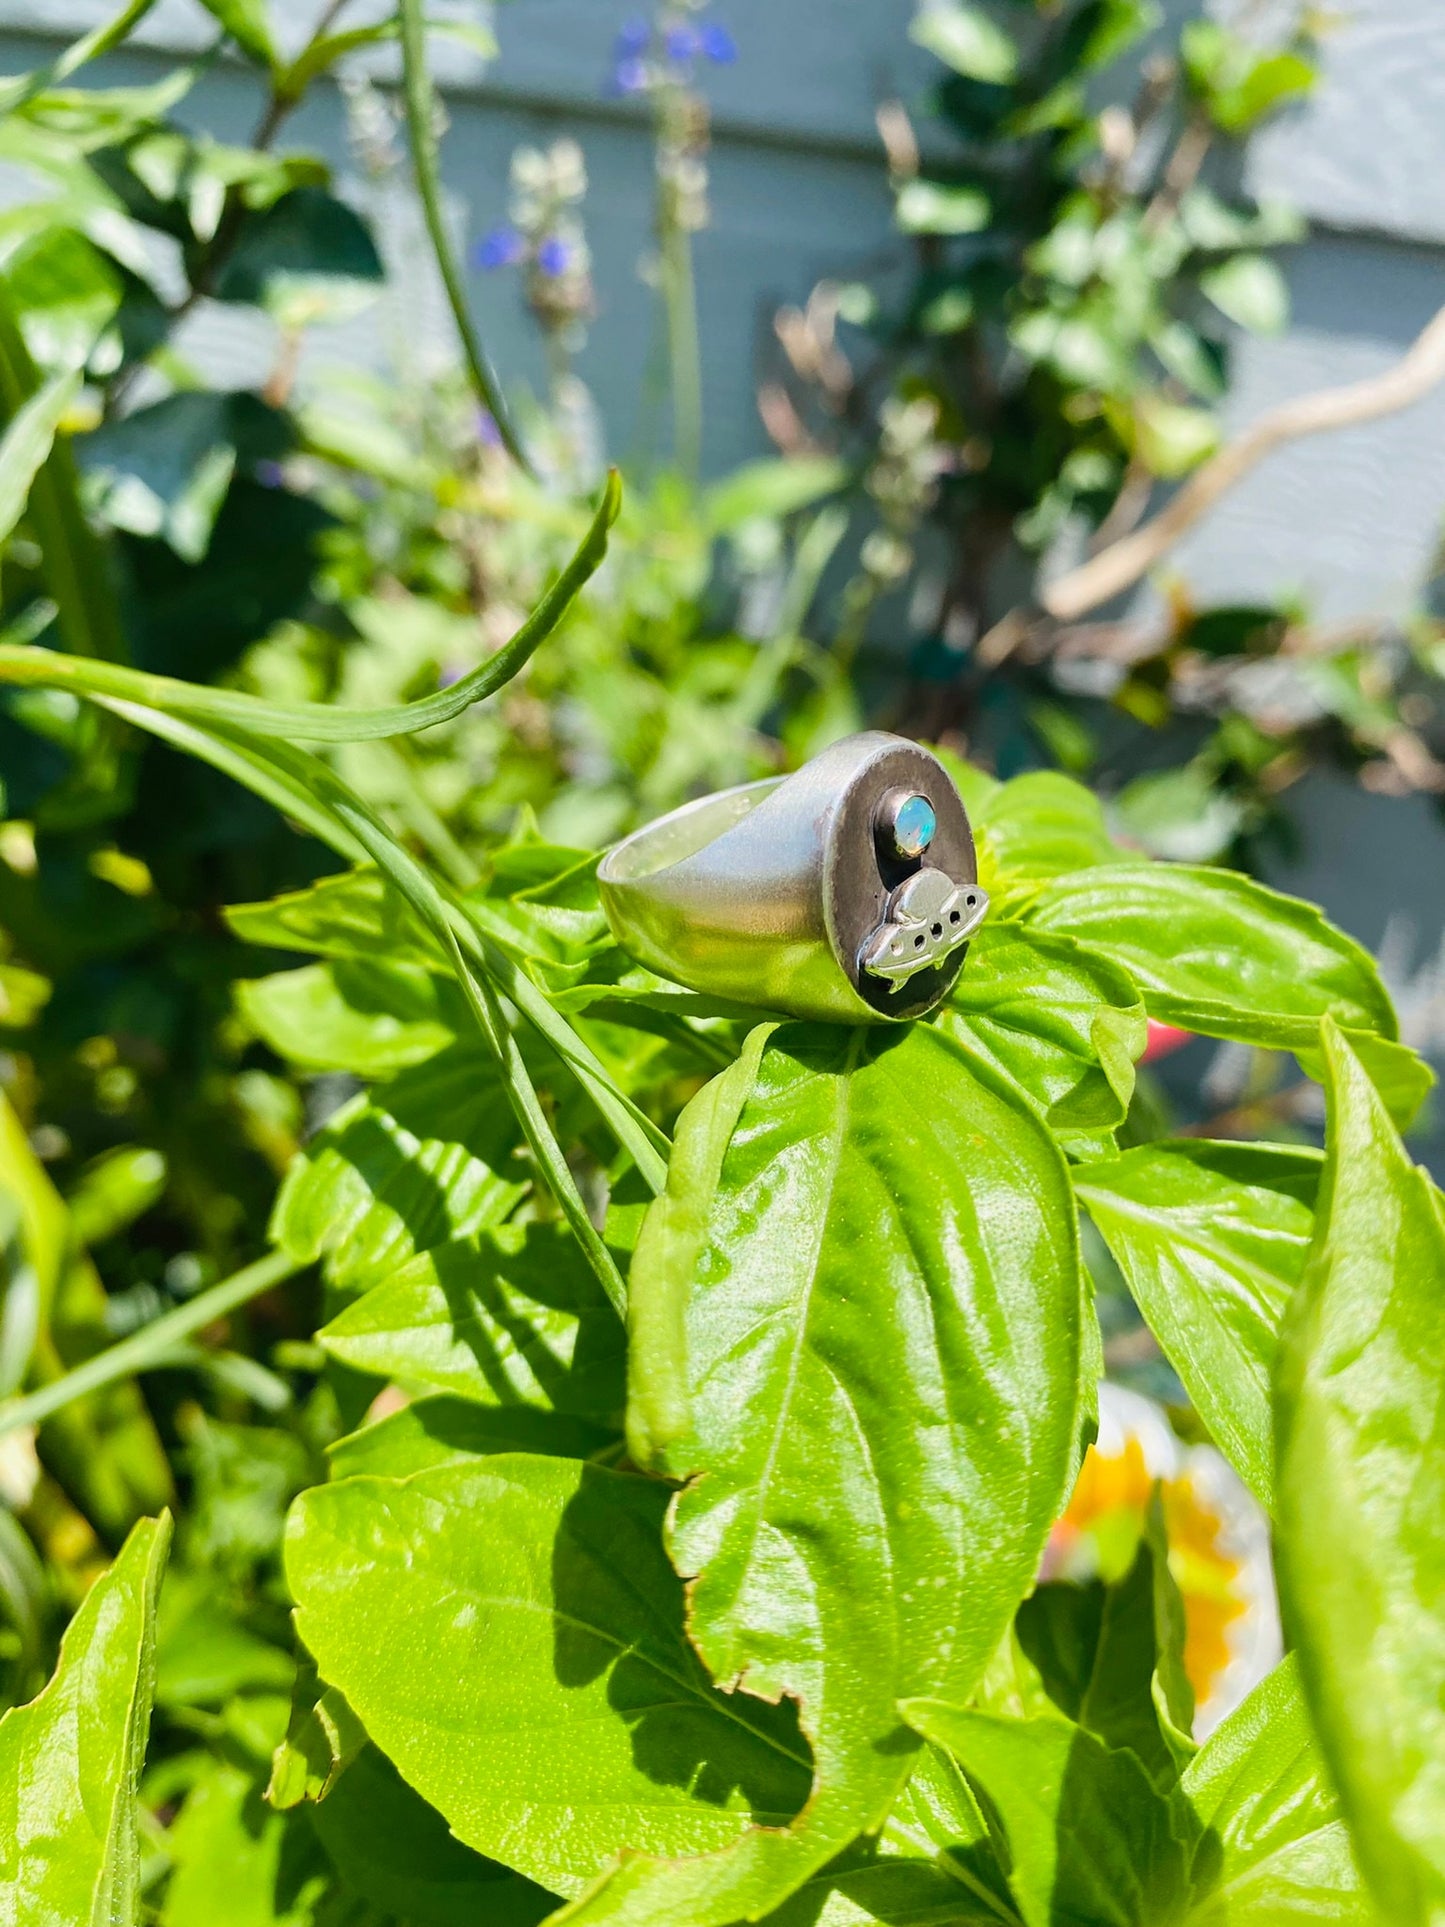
(845, 892)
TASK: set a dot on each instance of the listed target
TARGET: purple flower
(554, 257)
(632, 37)
(451, 672)
(718, 44)
(502, 248)
(488, 433)
(630, 76)
(683, 44)
(270, 474)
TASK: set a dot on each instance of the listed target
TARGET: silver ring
(847, 891)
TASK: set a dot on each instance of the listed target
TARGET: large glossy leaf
(1082, 1833)
(362, 1015)
(1215, 952)
(1361, 1441)
(512, 1317)
(1273, 1850)
(70, 1760)
(550, 1705)
(1212, 1239)
(1042, 825)
(423, 1160)
(855, 1329)
(1062, 1021)
(437, 1431)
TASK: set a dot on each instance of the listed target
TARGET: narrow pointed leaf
(70, 1760)
(1360, 1417)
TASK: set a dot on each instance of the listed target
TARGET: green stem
(418, 90)
(321, 722)
(679, 293)
(147, 1347)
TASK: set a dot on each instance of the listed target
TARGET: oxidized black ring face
(905, 897)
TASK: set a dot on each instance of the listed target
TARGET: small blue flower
(488, 433)
(717, 43)
(683, 44)
(632, 37)
(630, 76)
(270, 474)
(554, 257)
(502, 248)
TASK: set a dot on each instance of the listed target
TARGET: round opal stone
(914, 825)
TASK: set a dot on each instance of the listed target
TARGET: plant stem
(145, 1348)
(679, 293)
(418, 91)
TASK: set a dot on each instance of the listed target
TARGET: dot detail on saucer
(914, 825)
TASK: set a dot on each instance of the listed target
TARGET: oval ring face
(846, 892)
(900, 868)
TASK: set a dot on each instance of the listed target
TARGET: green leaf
(600, 1729)
(1038, 826)
(1079, 1828)
(113, 1191)
(1212, 1240)
(1215, 952)
(1060, 1020)
(936, 207)
(393, 1850)
(1103, 1652)
(352, 914)
(307, 257)
(966, 39)
(425, 1159)
(1249, 289)
(1360, 1417)
(511, 1317)
(248, 23)
(70, 1760)
(1273, 1849)
(165, 470)
(323, 1737)
(365, 1015)
(854, 1322)
(26, 444)
(236, 1863)
(1169, 438)
(66, 294)
(772, 489)
(440, 1430)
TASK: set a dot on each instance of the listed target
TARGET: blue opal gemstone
(914, 826)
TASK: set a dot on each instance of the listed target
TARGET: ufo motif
(929, 917)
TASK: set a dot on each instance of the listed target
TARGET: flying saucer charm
(846, 892)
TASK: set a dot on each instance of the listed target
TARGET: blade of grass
(417, 88)
(323, 722)
(149, 1345)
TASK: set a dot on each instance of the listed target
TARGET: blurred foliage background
(972, 452)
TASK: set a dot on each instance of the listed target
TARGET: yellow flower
(1218, 1545)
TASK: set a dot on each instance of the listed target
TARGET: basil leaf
(1273, 1848)
(353, 914)
(1212, 1239)
(423, 1160)
(1103, 1652)
(1083, 1834)
(512, 1317)
(364, 1015)
(1360, 1415)
(1215, 952)
(855, 1323)
(1062, 1021)
(1044, 825)
(70, 1760)
(436, 1431)
(599, 1728)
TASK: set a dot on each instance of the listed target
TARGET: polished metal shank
(794, 894)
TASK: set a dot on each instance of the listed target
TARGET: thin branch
(149, 1347)
(419, 107)
(1118, 568)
